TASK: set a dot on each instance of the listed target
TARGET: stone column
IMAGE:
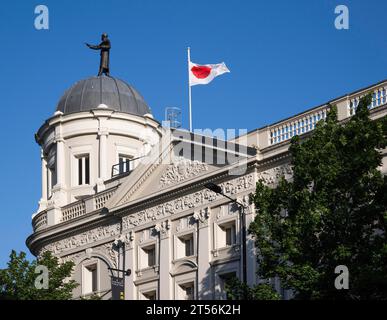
(102, 174)
(165, 257)
(251, 259)
(60, 162)
(59, 194)
(204, 286)
(43, 199)
(130, 290)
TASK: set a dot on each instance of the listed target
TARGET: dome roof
(116, 94)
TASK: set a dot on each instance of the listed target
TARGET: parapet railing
(101, 198)
(40, 221)
(306, 121)
(74, 210)
(297, 126)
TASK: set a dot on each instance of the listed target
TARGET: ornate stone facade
(185, 239)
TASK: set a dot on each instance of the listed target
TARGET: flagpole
(189, 91)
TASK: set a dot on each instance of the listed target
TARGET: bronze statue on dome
(104, 47)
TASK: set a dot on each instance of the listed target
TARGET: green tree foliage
(333, 212)
(237, 290)
(17, 282)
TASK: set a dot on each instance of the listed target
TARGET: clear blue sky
(284, 56)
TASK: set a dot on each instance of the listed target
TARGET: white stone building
(121, 191)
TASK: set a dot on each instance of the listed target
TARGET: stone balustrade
(306, 121)
(75, 209)
(296, 126)
(379, 98)
(40, 221)
(101, 198)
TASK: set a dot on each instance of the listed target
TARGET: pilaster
(203, 254)
(43, 199)
(165, 257)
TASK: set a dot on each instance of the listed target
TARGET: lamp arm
(235, 201)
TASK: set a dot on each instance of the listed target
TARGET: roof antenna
(172, 117)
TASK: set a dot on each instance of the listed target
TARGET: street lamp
(217, 189)
(118, 283)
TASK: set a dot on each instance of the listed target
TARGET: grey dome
(116, 94)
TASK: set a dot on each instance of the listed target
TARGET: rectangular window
(87, 170)
(150, 295)
(187, 291)
(83, 170)
(51, 180)
(184, 246)
(80, 171)
(230, 235)
(151, 255)
(224, 279)
(125, 163)
(189, 250)
(90, 279)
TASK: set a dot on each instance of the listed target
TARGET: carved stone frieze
(181, 170)
(273, 175)
(187, 202)
(84, 238)
(106, 250)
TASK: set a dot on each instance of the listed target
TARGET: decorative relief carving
(181, 170)
(73, 257)
(87, 237)
(273, 175)
(107, 250)
(228, 209)
(187, 202)
(185, 223)
(202, 216)
(129, 238)
(163, 228)
(147, 234)
(245, 200)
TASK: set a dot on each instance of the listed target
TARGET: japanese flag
(203, 74)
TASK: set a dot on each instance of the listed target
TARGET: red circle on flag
(201, 72)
